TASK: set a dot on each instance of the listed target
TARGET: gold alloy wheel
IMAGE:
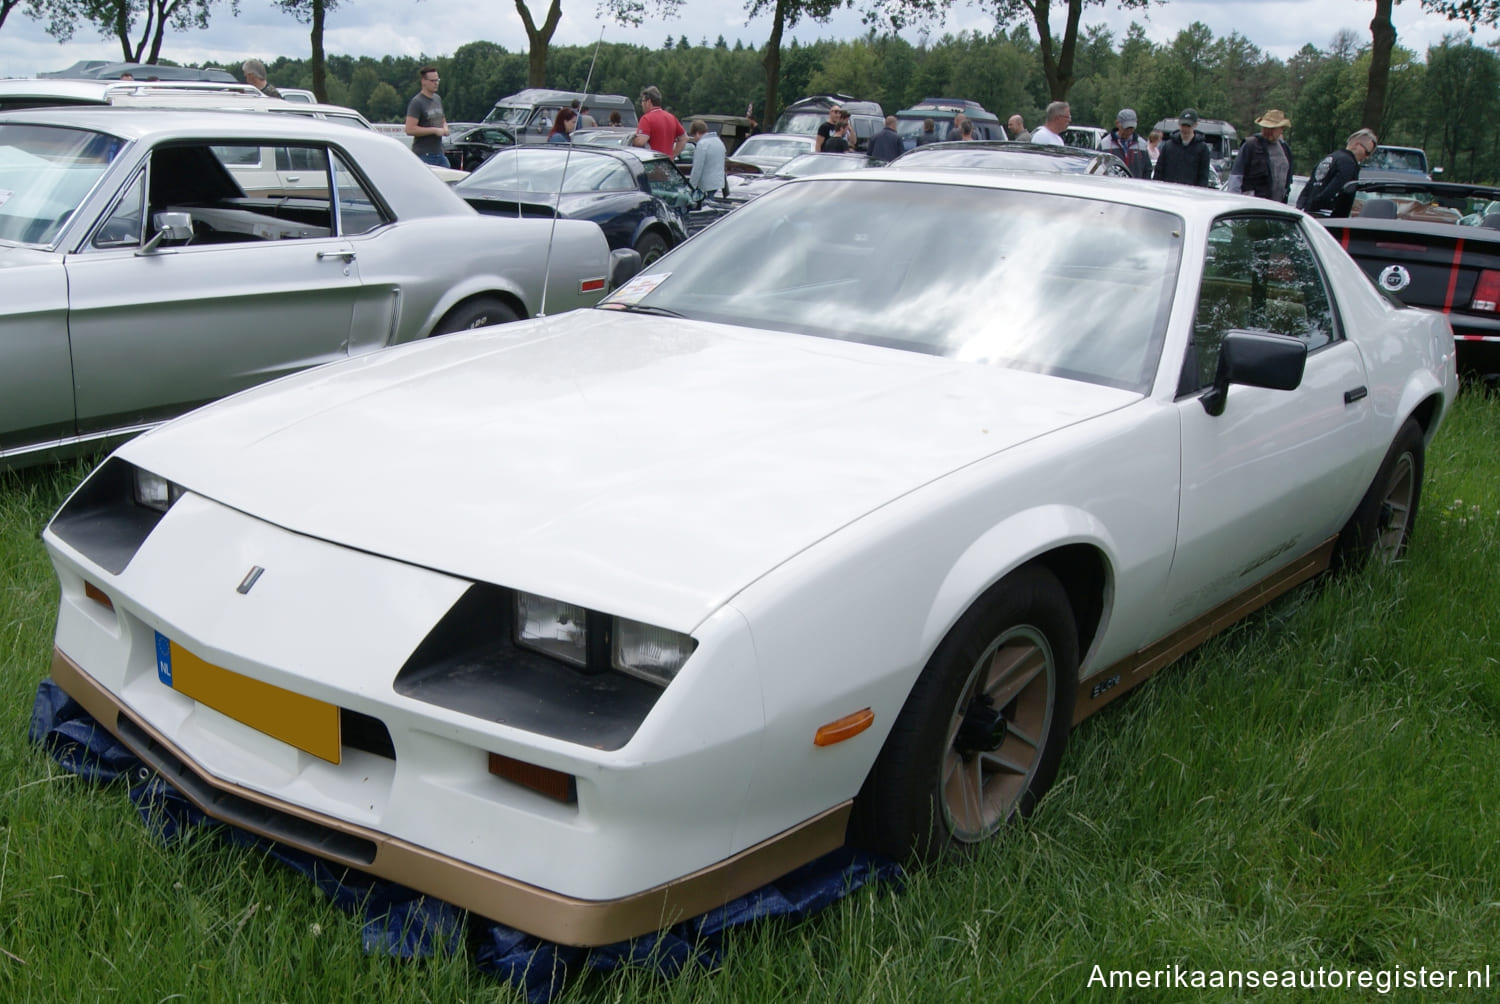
(1001, 720)
(1395, 509)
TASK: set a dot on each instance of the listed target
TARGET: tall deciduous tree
(1383, 39)
(313, 13)
(1057, 60)
(139, 25)
(785, 14)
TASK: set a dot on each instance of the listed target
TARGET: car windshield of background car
(512, 115)
(876, 262)
(910, 129)
(45, 174)
(801, 123)
(541, 170)
(757, 146)
(990, 159)
(809, 164)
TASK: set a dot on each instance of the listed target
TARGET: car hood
(642, 466)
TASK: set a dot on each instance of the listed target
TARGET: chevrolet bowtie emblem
(250, 579)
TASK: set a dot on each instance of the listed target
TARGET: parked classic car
(469, 145)
(151, 262)
(635, 194)
(910, 122)
(991, 155)
(595, 622)
(769, 150)
(1433, 244)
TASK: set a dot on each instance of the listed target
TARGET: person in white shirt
(707, 175)
(1050, 132)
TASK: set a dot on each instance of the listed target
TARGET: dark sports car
(635, 194)
(470, 144)
(1002, 155)
(1433, 244)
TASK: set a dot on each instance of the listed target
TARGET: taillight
(1487, 292)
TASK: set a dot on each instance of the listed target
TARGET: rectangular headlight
(654, 654)
(154, 491)
(552, 627)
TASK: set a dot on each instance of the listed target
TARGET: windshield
(512, 115)
(910, 129)
(1469, 207)
(1014, 279)
(770, 147)
(1390, 158)
(809, 164)
(801, 123)
(971, 155)
(45, 174)
(540, 169)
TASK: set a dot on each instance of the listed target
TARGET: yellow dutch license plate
(308, 724)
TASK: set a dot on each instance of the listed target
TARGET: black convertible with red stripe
(1437, 245)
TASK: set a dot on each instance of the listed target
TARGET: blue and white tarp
(401, 922)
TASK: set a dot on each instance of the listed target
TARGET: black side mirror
(1255, 359)
(624, 264)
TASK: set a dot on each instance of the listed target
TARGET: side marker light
(844, 728)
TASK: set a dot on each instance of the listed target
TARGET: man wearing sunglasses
(1324, 193)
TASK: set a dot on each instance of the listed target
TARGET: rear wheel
(476, 313)
(982, 732)
(1381, 527)
(651, 247)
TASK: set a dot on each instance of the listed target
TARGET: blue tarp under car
(399, 921)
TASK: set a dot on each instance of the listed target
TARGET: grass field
(1318, 788)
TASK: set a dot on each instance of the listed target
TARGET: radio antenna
(588, 82)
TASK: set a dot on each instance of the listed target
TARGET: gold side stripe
(1130, 672)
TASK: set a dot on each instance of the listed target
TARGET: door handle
(348, 256)
(1357, 394)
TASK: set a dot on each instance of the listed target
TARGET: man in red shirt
(658, 128)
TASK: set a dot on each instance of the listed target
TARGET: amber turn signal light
(844, 728)
(542, 780)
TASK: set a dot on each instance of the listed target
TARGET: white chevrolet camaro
(828, 528)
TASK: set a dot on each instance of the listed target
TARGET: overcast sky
(438, 27)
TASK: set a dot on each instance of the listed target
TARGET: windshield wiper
(641, 308)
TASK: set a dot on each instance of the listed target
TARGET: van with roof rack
(802, 117)
(909, 121)
(529, 114)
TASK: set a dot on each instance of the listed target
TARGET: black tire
(651, 246)
(476, 313)
(1382, 524)
(980, 737)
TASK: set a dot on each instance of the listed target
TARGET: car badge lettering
(1394, 278)
(248, 582)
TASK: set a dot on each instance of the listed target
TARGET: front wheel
(1381, 527)
(476, 313)
(982, 732)
(650, 247)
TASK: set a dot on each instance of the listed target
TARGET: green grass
(1316, 788)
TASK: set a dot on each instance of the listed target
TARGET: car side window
(1259, 274)
(358, 210)
(122, 225)
(666, 181)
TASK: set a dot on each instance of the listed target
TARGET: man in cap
(1184, 157)
(1263, 166)
(1123, 142)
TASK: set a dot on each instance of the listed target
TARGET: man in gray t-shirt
(425, 121)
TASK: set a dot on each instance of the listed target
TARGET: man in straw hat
(1263, 166)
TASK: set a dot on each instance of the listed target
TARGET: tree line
(1447, 100)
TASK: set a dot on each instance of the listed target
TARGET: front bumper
(564, 919)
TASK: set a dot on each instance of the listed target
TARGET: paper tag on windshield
(637, 288)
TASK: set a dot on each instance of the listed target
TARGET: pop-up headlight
(552, 627)
(154, 491)
(654, 654)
